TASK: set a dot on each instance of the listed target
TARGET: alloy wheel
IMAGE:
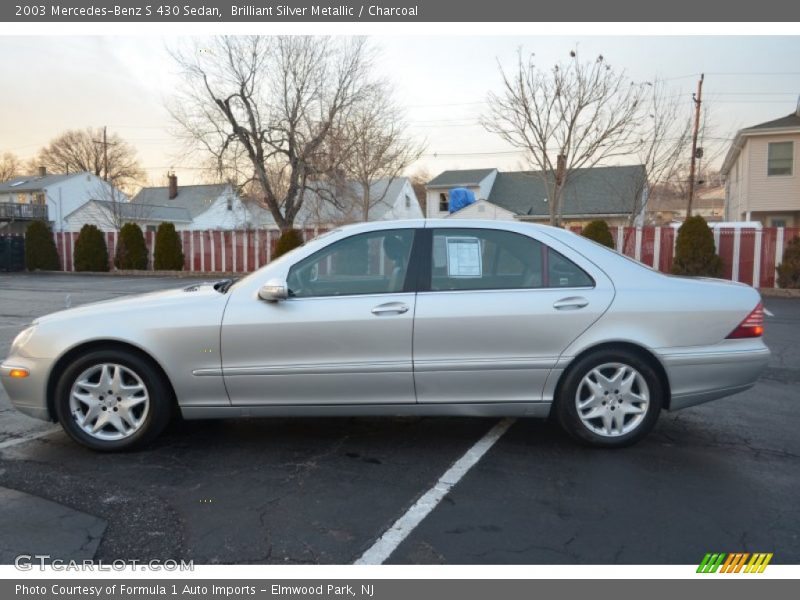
(612, 399)
(109, 401)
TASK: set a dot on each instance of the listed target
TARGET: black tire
(161, 403)
(566, 410)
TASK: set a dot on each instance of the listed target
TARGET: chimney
(173, 185)
(42, 171)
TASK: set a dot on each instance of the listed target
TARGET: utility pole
(105, 151)
(698, 100)
(104, 143)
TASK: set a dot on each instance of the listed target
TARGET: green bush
(168, 253)
(131, 248)
(90, 253)
(40, 248)
(789, 269)
(695, 253)
(289, 240)
(599, 232)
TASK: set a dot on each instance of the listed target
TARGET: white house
(211, 206)
(49, 197)
(392, 199)
(111, 216)
(478, 181)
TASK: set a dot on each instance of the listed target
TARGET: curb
(779, 293)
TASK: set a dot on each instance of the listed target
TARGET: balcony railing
(11, 211)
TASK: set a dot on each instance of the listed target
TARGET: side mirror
(274, 290)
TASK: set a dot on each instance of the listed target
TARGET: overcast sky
(51, 84)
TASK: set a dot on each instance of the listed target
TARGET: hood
(135, 302)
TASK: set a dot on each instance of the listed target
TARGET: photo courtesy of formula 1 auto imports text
(429, 299)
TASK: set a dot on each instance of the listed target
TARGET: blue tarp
(459, 198)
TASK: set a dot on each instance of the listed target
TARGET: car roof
(451, 223)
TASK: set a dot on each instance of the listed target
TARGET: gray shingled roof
(792, 120)
(194, 198)
(594, 191)
(458, 178)
(33, 183)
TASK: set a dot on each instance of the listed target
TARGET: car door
(343, 336)
(495, 310)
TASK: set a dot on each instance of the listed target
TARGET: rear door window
(490, 259)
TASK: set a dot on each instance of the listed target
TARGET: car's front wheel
(112, 400)
(610, 399)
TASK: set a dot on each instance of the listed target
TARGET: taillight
(752, 326)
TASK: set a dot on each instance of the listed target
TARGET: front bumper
(28, 394)
(698, 375)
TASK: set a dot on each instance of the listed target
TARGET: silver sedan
(436, 317)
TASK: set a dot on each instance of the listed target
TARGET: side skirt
(489, 409)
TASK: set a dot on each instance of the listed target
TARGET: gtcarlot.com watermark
(30, 562)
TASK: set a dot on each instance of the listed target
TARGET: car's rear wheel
(112, 400)
(610, 399)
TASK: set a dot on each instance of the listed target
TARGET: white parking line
(393, 537)
(27, 438)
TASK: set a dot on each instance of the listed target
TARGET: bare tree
(266, 108)
(79, 150)
(419, 179)
(117, 209)
(10, 166)
(669, 184)
(572, 116)
(379, 149)
(664, 137)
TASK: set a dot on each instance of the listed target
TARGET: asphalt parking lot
(719, 477)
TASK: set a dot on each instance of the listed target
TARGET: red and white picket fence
(210, 251)
(748, 255)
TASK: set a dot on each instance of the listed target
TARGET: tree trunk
(366, 199)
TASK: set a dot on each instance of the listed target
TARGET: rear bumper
(698, 375)
(29, 394)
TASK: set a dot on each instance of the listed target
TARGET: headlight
(22, 339)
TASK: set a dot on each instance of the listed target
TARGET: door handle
(571, 303)
(390, 308)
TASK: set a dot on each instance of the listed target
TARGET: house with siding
(210, 206)
(327, 206)
(49, 197)
(108, 215)
(762, 182)
(615, 194)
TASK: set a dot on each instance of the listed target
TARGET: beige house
(762, 173)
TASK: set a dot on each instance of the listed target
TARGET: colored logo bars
(735, 562)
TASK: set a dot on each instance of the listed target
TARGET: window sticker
(464, 257)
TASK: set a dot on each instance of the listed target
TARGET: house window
(408, 201)
(230, 203)
(778, 222)
(780, 158)
(444, 205)
(38, 198)
(22, 198)
(151, 229)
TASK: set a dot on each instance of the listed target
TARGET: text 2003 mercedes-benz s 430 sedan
(436, 317)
